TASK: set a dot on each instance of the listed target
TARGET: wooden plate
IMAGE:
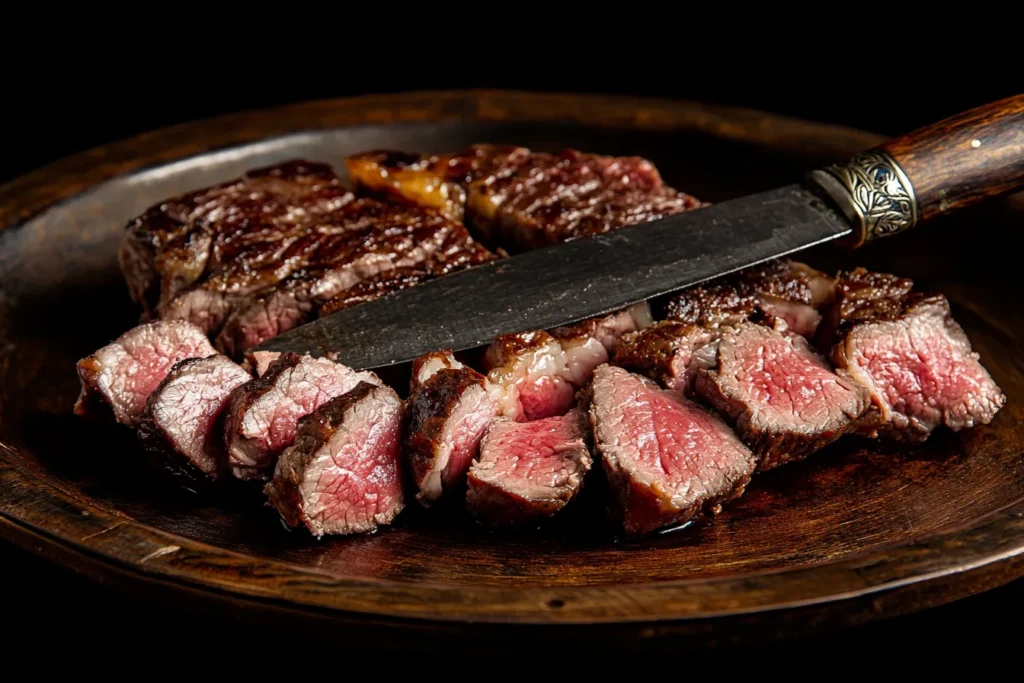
(856, 532)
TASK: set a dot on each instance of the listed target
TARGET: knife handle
(931, 171)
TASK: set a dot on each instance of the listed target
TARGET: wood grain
(966, 158)
(854, 533)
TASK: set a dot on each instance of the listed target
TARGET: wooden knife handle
(931, 171)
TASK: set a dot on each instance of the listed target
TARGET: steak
(375, 287)
(177, 242)
(527, 375)
(426, 366)
(446, 415)
(791, 291)
(785, 400)
(915, 360)
(258, 362)
(181, 426)
(589, 343)
(550, 198)
(665, 352)
(343, 473)
(436, 182)
(120, 377)
(666, 459)
(528, 472)
(369, 239)
(263, 415)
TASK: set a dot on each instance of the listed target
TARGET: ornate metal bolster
(874, 192)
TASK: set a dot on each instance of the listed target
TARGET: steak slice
(426, 366)
(527, 375)
(666, 459)
(343, 473)
(258, 362)
(175, 243)
(371, 239)
(432, 181)
(915, 360)
(121, 376)
(528, 472)
(263, 415)
(550, 198)
(446, 415)
(666, 352)
(375, 287)
(590, 343)
(180, 428)
(785, 400)
(789, 290)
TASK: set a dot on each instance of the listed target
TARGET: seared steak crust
(446, 416)
(665, 352)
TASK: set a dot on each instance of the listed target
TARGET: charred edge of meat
(436, 421)
(315, 432)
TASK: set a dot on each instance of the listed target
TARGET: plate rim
(991, 547)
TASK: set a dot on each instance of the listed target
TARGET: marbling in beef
(666, 459)
(447, 413)
(244, 221)
(550, 198)
(181, 427)
(528, 376)
(665, 352)
(343, 473)
(789, 290)
(915, 360)
(590, 343)
(121, 376)
(527, 472)
(263, 414)
(784, 399)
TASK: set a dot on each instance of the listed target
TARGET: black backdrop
(50, 113)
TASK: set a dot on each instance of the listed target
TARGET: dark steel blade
(569, 282)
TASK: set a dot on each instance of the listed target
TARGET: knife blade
(878, 193)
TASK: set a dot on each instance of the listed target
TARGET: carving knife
(880, 192)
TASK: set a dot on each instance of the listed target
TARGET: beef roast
(791, 291)
(545, 199)
(181, 426)
(175, 243)
(527, 472)
(121, 376)
(343, 473)
(262, 417)
(434, 181)
(665, 352)
(666, 459)
(784, 399)
(915, 360)
(446, 415)
(590, 343)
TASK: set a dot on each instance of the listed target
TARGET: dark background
(81, 105)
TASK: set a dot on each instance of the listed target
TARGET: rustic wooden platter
(855, 533)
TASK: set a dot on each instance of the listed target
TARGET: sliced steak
(590, 343)
(666, 459)
(785, 400)
(528, 376)
(175, 243)
(791, 291)
(121, 376)
(665, 352)
(375, 287)
(258, 362)
(550, 198)
(446, 415)
(343, 473)
(916, 361)
(433, 181)
(426, 366)
(528, 472)
(370, 239)
(181, 426)
(264, 414)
